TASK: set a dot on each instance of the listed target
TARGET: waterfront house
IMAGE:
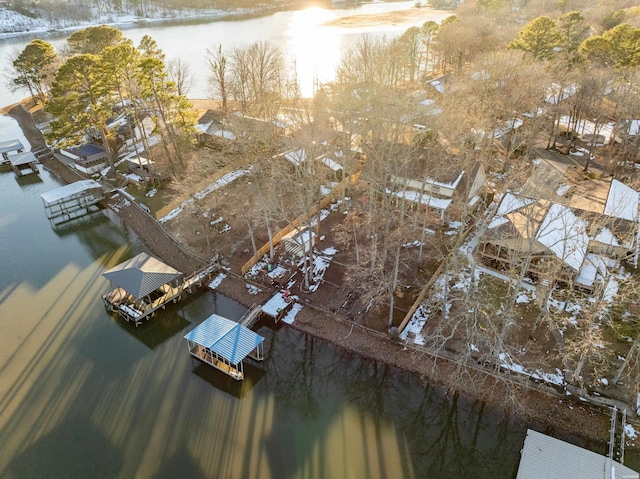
(88, 158)
(564, 226)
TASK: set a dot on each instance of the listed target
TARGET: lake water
(84, 395)
(312, 48)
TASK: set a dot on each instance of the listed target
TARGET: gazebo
(140, 286)
(224, 344)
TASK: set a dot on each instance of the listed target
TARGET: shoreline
(508, 395)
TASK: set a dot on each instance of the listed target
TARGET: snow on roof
(622, 202)
(139, 161)
(330, 163)
(69, 190)
(416, 197)
(605, 236)
(586, 127)
(121, 120)
(275, 305)
(297, 157)
(564, 234)
(556, 93)
(497, 221)
(302, 238)
(593, 266)
(203, 127)
(451, 185)
(225, 134)
(23, 158)
(11, 145)
(511, 202)
(438, 85)
(634, 127)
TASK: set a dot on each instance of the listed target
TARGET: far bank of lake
(311, 46)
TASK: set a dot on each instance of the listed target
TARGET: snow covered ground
(13, 23)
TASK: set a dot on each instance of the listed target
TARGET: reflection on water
(253, 372)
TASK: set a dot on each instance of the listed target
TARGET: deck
(212, 359)
(135, 310)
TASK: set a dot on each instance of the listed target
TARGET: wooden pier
(251, 317)
(143, 285)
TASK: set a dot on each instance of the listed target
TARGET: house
(448, 190)
(140, 169)
(88, 158)
(563, 227)
(626, 132)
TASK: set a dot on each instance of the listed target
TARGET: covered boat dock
(224, 344)
(23, 163)
(141, 286)
(544, 457)
(7, 147)
(73, 200)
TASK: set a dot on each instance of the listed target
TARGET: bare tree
(181, 76)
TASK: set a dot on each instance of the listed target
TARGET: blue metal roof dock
(224, 344)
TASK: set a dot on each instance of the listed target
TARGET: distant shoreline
(130, 21)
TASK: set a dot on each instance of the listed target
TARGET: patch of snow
(120, 203)
(216, 281)
(562, 190)
(416, 323)
(253, 290)
(552, 378)
(604, 381)
(630, 432)
(611, 290)
(151, 193)
(412, 244)
(290, 317)
(219, 183)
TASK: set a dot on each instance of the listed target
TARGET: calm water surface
(82, 395)
(312, 48)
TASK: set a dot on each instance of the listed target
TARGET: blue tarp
(226, 338)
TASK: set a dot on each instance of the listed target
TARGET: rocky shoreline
(539, 407)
